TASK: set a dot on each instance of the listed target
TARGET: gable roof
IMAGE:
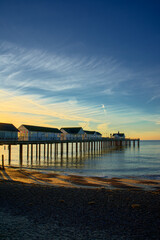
(89, 132)
(92, 132)
(8, 127)
(98, 133)
(41, 129)
(72, 130)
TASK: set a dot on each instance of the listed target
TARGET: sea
(125, 161)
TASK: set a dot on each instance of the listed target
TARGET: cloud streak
(54, 72)
(68, 90)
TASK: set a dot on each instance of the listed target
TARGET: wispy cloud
(65, 110)
(37, 87)
(155, 97)
(39, 69)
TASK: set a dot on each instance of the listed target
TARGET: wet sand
(73, 181)
(34, 205)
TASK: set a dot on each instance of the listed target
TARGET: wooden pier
(81, 146)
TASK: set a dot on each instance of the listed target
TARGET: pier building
(72, 133)
(34, 133)
(119, 135)
(8, 132)
(92, 135)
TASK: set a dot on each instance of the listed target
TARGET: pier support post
(55, 150)
(2, 162)
(39, 153)
(85, 146)
(72, 148)
(51, 150)
(21, 154)
(80, 147)
(67, 150)
(27, 152)
(133, 143)
(36, 152)
(129, 143)
(91, 146)
(88, 146)
(44, 151)
(9, 154)
(138, 142)
(31, 154)
(76, 148)
(94, 143)
(48, 151)
(61, 149)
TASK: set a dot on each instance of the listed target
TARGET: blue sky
(94, 64)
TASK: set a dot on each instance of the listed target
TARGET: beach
(36, 205)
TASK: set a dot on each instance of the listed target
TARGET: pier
(56, 147)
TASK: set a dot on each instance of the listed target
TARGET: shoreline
(32, 176)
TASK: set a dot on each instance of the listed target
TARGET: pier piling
(9, 154)
(39, 153)
(31, 154)
(75, 147)
(2, 162)
(21, 154)
(27, 152)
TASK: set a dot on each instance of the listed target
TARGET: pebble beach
(41, 206)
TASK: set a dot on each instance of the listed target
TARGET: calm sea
(116, 162)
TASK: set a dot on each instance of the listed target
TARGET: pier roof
(41, 129)
(8, 127)
(98, 133)
(89, 132)
(119, 134)
(72, 130)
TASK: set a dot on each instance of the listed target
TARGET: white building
(72, 133)
(8, 132)
(33, 133)
(119, 135)
(91, 135)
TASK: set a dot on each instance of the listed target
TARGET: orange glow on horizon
(19, 119)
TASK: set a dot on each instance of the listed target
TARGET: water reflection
(72, 155)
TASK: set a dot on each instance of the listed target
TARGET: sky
(88, 63)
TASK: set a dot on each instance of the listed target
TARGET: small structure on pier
(8, 132)
(98, 135)
(72, 133)
(91, 135)
(119, 135)
(34, 133)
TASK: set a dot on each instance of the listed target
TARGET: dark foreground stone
(42, 212)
